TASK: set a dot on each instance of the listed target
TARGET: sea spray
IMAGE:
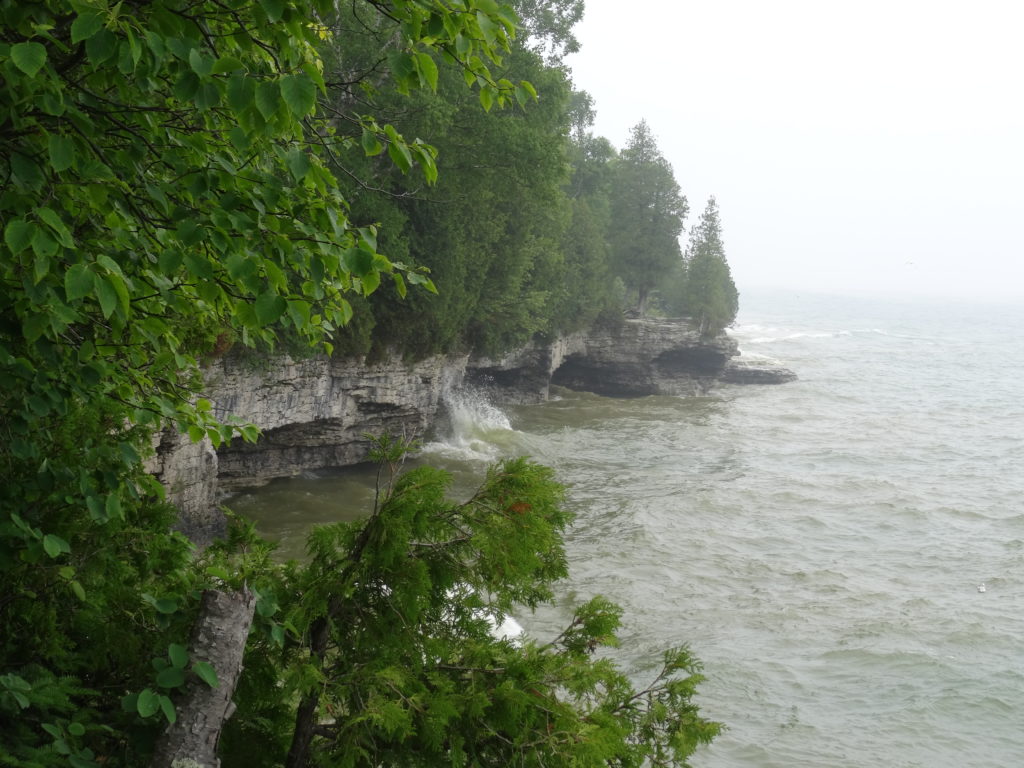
(476, 429)
(818, 545)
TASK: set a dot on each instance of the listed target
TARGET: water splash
(477, 429)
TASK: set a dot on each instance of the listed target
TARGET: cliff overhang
(318, 412)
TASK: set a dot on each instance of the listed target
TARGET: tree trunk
(219, 638)
(305, 717)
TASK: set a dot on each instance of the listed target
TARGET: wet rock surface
(320, 412)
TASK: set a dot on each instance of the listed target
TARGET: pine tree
(647, 213)
(710, 296)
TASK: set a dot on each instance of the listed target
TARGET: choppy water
(819, 544)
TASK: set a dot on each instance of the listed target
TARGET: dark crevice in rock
(316, 413)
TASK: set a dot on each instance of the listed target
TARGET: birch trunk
(219, 638)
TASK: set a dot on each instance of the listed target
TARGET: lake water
(820, 545)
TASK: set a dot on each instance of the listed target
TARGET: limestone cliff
(316, 413)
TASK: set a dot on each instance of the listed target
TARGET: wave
(477, 429)
(760, 334)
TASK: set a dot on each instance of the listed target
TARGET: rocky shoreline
(316, 413)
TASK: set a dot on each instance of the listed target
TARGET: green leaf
(427, 69)
(357, 261)
(403, 69)
(26, 170)
(399, 284)
(148, 703)
(168, 709)
(277, 634)
(198, 265)
(42, 243)
(54, 222)
(371, 144)
(18, 234)
(486, 98)
(299, 93)
(187, 85)
(166, 605)
(273, 8)
(178, 654)
(489, 29)
(399, 154)
(226, 64)
(122, 292)
(371, 281)
(171, 677)
(85, 26)
(62, 152)
(107, 296)
(415, 278)
(28, 57)
(269, 307)
(299, 313)
(130, 703)
(239, 138)
(241, 91)
(201, 65)
(298, 163)
(78, 282)
(40, 268)
(101, 46)
(268, 98)
(205, 671)
(112, 507)
(55, 546)
(170, 261)
(207, 97)
(368, 235)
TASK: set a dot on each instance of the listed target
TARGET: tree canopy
(181, 176)
(648, 210)
(709, 292)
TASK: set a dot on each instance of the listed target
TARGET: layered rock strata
(317, 413)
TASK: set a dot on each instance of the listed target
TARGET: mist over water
(818, 544)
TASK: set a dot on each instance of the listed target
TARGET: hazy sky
(853, 147)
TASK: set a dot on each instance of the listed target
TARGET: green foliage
(167, 181)
(409, 671)
(647, 210)
(490, 229)
(177, 176)
(708, 292)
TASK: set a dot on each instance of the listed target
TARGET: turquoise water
(820, 545)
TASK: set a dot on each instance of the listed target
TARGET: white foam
(475, 427)
(748, 356)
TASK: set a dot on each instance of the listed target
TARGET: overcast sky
(853, 147)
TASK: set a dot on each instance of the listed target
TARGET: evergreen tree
(170, 178)
(392, 652)
(710, 295)
(647, 215)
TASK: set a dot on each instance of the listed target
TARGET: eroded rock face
(645, 357)
(316, 413)
(637, 358)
